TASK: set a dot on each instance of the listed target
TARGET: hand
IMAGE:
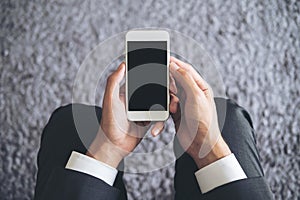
(195, 118)
(117, 136)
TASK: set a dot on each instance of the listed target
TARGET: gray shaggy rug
(255, 45)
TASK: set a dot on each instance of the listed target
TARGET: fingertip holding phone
(147, 75)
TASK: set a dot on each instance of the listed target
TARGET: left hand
(195, 116)
(117, 136)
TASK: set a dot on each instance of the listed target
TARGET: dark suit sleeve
(69, 184)
(186, 185)
(246, 189)
(238, 132)
(59, 139)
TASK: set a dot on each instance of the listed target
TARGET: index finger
(196, 76)
(184, 79)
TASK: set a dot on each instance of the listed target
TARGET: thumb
(114, 80)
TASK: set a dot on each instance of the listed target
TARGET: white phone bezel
(148, 35)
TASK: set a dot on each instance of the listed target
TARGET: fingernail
(174, 66)
(122, 68)
(156, 132)
(123, 65)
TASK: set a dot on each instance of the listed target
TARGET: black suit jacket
(60, 138)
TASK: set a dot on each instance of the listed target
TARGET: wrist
(105, 152)
(219, 150)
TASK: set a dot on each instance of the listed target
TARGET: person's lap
(237, 131)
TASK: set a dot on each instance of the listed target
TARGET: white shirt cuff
(93, 167)
(220, 172)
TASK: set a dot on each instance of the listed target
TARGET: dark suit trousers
(60, 138)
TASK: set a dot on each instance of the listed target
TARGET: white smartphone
(147, 75)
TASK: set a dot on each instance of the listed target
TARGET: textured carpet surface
(255, 45)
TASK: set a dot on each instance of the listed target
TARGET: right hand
(194, 113)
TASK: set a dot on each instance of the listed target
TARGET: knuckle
(197, 92)
(182, 71)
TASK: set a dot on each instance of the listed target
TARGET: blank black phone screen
(147, 75)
